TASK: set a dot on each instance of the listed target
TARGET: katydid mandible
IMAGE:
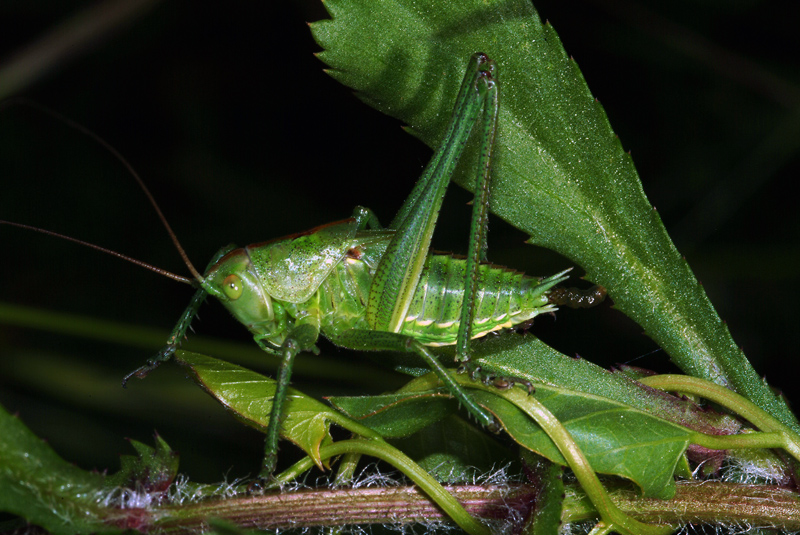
(370, 288)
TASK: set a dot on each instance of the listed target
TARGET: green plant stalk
(357, 429)
(346, 469)
(784, 436)
(740, 441)
(148, 338)
(31, 465)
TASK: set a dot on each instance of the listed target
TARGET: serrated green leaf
(39, 486)
(248, 395)
(152, 470)
(559, 173)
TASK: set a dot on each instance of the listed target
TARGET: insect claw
(161, 357)
(142, 372)
(475, 373)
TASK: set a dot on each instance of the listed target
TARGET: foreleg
(179, 331)
(301, 338)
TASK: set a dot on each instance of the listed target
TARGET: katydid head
(234, 281)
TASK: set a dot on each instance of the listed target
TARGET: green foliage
(47, 491)
(616, 438)
(248, 395)
(547, 514)
(152, 470)
(38, 485)
(560, 174)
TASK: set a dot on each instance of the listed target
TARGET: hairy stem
(706, 502)
(701, 502)
(339, 507)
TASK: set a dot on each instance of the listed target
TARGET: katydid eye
(232, 286)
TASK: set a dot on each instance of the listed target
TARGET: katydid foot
(161, 357)
(500, 382)
(177, 335)
(504, 382)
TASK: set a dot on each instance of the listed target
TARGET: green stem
(788, 439)
(731, 442)
(95, 328)
(346, 469)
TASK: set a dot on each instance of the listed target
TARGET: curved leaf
(456, 451)
(528, 358)
(248, 395)
(397, 415)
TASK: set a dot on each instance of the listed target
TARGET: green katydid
(371, 288)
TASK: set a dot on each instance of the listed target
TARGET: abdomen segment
(504, 298)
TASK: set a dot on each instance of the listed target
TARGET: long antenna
(179, 278)
(103, 143)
